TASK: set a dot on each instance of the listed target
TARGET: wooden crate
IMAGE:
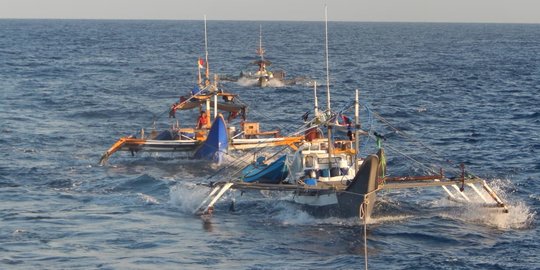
(251, 128)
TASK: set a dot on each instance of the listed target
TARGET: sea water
(70, 88)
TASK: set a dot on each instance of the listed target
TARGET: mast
(329, 125)
(356, 131)
(260, 51)
(316, 110)
(327, 64)
(207, 75)
(206, 50)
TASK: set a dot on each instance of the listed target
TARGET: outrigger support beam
(494, 196)
(117, 145)
(202, 210)
(219, 189)
(422, 182)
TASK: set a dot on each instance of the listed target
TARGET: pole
(206, 50)
(261, 50)
(327, 64)
(316, 101)
(356, 131)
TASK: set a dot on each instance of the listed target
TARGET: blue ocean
(469, 93)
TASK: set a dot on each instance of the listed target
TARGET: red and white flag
(201, 63)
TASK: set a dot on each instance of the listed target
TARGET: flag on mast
(201, 63)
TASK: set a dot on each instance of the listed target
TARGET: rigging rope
(363, 215)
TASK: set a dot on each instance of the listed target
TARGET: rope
(406, 135)
(435, 154)
(363, 213)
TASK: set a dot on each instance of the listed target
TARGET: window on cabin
(309, 161)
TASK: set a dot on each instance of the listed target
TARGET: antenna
(327, 64)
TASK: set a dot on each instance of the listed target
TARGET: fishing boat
(263, 77)
(212, 139)
(328, 177)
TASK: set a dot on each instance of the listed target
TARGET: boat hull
(216, 143)
(344, 202)
(162, 146)
(272, 173)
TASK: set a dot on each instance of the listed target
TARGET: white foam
(247, 82)
(187, 196)
(387, 219)
(288, 215)
(519, 214)
(275, 83)
(148, 199)
(253, 82)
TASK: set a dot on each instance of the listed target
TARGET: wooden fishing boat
(328, 178)
(187, 140)
(206, 141)
(263, 77)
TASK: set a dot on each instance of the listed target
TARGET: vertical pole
(356, 131)
(327, 64)
(199, 79)
(261, 50)
(206, 50)
(215, 104)
(208, 114)
(316, 111)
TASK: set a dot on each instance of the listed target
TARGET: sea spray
(147, 199)
(187, 196)
(519, 216)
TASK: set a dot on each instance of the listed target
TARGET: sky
(483, 11)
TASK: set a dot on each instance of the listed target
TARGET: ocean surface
(467, 93)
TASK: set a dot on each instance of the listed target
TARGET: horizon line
(251, 20)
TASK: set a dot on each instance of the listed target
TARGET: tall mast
(261, 50)
(329, 132)
(356, 131)
(327, 64)
(316, 101)
(206, 50)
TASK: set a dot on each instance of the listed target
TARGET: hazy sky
(513, 11)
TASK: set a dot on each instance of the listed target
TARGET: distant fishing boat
(211, 138)
(263, 77)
